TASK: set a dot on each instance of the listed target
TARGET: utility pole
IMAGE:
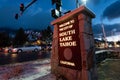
(113, 31)
(77, 4)
(56, 13)
(104, 34)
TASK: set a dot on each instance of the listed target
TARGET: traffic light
(22, 7)
(55, 13)
(16, 16)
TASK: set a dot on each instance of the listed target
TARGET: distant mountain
(11, 30)
(8, 30)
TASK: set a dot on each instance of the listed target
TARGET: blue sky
(38, 16)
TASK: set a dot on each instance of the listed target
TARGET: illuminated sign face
(69, 44)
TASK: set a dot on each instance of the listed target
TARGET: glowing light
(84, 2)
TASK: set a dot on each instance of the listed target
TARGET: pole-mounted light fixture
(84, 2)
(77, 4)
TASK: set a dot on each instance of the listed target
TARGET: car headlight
(14, 50)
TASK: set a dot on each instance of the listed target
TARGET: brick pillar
(54, 55)
(73, 46)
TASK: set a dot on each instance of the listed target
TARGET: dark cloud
(112, 11)
(96, 1)
(97, 29)
(93, 2)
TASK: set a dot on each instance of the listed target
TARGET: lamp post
(77, 4)
(84, 2)
(104, 34)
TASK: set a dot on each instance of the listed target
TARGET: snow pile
(25, 71)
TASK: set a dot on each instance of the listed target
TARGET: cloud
(112, 11)
(95, 1)
(97, 29)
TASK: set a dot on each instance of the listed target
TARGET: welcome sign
(69, 44)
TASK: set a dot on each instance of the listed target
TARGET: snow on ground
(29, 70)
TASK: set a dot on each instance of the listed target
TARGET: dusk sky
(38, 16)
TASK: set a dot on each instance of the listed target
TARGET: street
(30, 66)
(22, 64)
(6, 58)
(29, 70)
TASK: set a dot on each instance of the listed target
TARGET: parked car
(25, 48)
(49, 47)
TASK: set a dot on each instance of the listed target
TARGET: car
(49, 47)
(1, 49)
(25, 48)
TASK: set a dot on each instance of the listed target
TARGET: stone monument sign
(73, 52)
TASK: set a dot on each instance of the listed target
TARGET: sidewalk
(47, 77)
(31, 70)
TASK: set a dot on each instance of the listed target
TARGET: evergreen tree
(20, 37)
(47, 34)
(4, 39)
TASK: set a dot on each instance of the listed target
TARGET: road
(6, 58)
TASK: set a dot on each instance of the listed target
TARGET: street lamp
(77, 4)
(84, 2)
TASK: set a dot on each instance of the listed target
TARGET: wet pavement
(49, 76)
(6, 58)
(29, 70)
